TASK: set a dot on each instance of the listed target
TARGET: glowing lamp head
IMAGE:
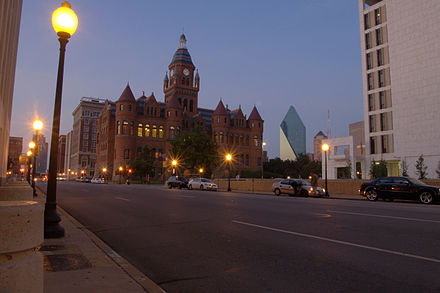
(325, 147)
(82, 171)
(29, 153)
(38, 125)
(174, 162)
(32, 145)
(104, 170)
(64, 20)
(228, 157)
(200, 170)
(130, 171)
(120, 168)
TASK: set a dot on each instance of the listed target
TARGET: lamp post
(200, 172)
(325, 148)
(228, 160)
(104, 173)
(33, 147)
(262, 161)
(29, 158)
(38, 125)
(120, 173)
(64, 22)
(174, 163)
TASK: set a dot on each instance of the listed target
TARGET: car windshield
(417, 182)
(303, 182)
(206, 180)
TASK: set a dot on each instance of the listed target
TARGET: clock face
(186, 71)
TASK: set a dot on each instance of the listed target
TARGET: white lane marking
(382, 216)
(121, 198)
(188, 196)
(341, 242)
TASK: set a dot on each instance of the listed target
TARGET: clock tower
(182, 83)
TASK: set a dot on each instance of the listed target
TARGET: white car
(98, 181)
(202, 183)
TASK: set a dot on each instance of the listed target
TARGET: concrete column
(21, 234)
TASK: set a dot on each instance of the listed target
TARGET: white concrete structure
(401, 76)
(341, 158)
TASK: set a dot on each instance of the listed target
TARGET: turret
(197, 80)
(165, 81)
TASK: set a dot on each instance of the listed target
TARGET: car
(202, 183)
(390, 188)
(98, 180)
(177, 181)
(296, 187)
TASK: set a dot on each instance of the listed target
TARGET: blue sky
(273, 54)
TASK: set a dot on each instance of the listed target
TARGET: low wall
(334, 186)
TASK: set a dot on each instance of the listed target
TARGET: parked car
(177, 181)
(389, 188)
(97, 180)
(84, 179)
(202, 183)
(296, 187)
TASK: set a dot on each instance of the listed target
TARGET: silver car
(202, 183)
(296, 187)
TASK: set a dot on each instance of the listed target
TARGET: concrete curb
(140, 278)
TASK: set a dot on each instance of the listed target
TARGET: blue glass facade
(292, 136)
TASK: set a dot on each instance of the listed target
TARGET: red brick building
(128, 124)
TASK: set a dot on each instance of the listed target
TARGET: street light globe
(38, 125)
(174, 162)
(104, 170)
(64, 20)
(325, 147)
(120, 168)
(32, 145)
(201, 170)
(29, 153)
(228, 157)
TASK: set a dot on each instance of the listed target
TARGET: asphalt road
(201, 241)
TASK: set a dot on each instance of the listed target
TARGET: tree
(421, 168)
(196, 149)
(348, 168)
(143, 163)
(378, 169)
(404, 168)
(300, 168)
(438, 170)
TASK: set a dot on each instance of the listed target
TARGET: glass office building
(292, 136)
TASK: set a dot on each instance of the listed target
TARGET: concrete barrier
(21, 234)
(15, 192)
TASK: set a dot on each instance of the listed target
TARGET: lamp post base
(52, 227)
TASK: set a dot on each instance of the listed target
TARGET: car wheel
(371, 195)
(426, 197)
(304, 193)
(201, 186)
(180, 186)
(277, 191)
(190, 187)
(170, 185)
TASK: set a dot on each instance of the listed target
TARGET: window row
(380, 100)
(90, 114)
(376, 38)
(187, 105)
(382, 144)
(375, 17)
(377, 58)
(381, 122)
(378, 79)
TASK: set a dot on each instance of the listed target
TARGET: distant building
(84, 136)
(67, 167)
(400, 71)
(15, 149)
(61, 154)
(292, 136)
(10, 15)
(317, 145)
(43, 148)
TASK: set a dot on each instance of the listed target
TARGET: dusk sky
(273, 54)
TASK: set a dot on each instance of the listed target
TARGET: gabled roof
(255, 115)
(127, 95)
(151, 99)
(220, 110)
(173, 103)
(320, 133)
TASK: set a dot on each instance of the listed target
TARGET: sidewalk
(81, 262)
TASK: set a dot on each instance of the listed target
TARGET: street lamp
(28, 177)
(64, 22)
(262, 160)
(104, 173)
(200, 172)
(325, 148)
(120, 173)
(174, 163)
(38, 125)
(228, 160)
(33, 147)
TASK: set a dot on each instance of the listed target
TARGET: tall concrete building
(401, 82)
(61, 154)
(14, 153)
(292, 136)
(10, 14)
(84, 136)
(43, 148)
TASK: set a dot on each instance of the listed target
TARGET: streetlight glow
(64, 20)
(201, 170)
(228, 157)
(104, 170)
(29, 153)
(32, 145)
(174, 162)
(325, 147)
(38, 125)
(120, 168)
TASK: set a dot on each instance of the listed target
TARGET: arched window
(172, 134)
(247, 139)
(178, 130)
(242, 160)
(118, 127)
(125, 127)
(247, 160)
(185, 105)
(161, 131)
(154, 132)
(147, 130)
(191, 105)
(256, 142)
(121, 107)
(140, 126)
(132, 128)
(221, 137)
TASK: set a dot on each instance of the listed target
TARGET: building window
(161, 131)
(121, 107)
(125, 127)
(381, 74)
(191, 105)
(86, 136)
(385, 144)
(366, 21)
(126, 154)
(372, 123)
(147, 130)
(154, 132)
(259, 161)
(383, 122)
(132, 128)
(247, 160)
(172, 135)
(379, 39)
(367, 41)
(83, 164)
(118, 128)
(380, 57)
(241, 160)
(378, 16)
(218, 120)
(373, 145)
(86, 129)
(185, 105)
(129, 108)
(256, 142)
(370, 81)
(370, 102)
(94, 137)
(369, 64)
(140, 126)
(382, 101)
(86, 121)
(221, 137)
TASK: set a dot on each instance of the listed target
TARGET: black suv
(177, 181)
(389, 188)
